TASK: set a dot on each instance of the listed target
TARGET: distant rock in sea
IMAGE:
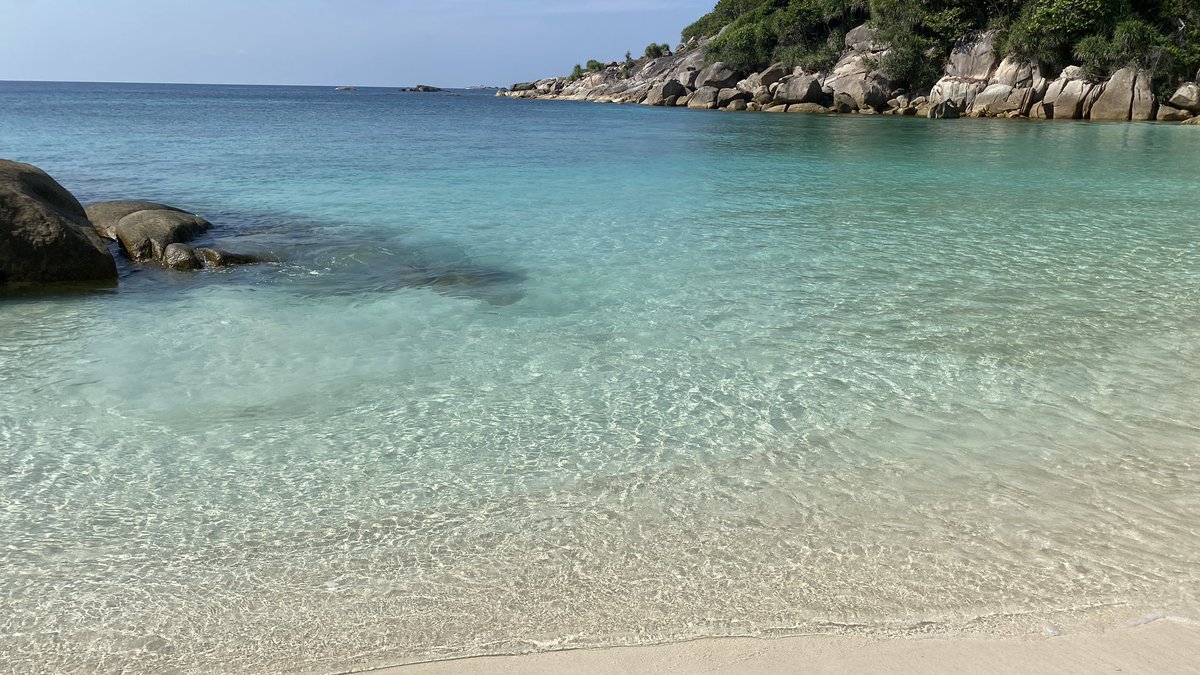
(345, 88)
(421, 89)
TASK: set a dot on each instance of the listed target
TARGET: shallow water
(537, 374)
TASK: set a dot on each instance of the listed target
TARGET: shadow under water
(318, 259)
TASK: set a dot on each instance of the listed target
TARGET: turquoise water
(668, 374)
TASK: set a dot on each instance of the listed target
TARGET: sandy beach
(1165, 646)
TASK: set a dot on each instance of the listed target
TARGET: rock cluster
(977, 82)
(47, 236)
(153, 232)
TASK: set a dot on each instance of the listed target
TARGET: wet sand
(1164, 646)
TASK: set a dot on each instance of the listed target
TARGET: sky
(448, 43)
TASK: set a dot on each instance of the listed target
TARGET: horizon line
(252, 84)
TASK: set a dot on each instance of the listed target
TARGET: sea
(537, 375)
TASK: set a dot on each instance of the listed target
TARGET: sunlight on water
(534, 375)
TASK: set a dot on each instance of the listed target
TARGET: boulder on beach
(45, 235)
(1116, 99)
(1187, 97)
(661, 93)
(717, 75)
(805, 88)
(145, 235)
(809, 109)
(727, 96)
(704, 98)
(1168, 113)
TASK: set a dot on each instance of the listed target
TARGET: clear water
(672, 374)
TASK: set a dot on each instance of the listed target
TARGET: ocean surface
(533, 375)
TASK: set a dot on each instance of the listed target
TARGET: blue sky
(359, 42)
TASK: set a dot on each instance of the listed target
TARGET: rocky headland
(976, 81)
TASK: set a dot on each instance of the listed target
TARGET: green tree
(1160, 35)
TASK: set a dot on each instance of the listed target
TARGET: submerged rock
(213, 257)
(45, 235)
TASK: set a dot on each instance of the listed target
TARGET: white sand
(1162, 647)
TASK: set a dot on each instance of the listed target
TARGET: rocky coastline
(976, 82)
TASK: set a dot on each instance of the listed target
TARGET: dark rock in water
(344, 89)
(211, 257)
(180, 257)
(421, 89)
(145, 235)
(45, 235)
(106, 215)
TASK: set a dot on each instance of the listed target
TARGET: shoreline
(1154, 644)
(978, 79)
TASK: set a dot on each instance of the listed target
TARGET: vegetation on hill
(1162, 36)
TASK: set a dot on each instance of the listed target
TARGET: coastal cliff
(984, 73)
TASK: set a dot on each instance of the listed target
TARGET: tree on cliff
(1160, 35)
